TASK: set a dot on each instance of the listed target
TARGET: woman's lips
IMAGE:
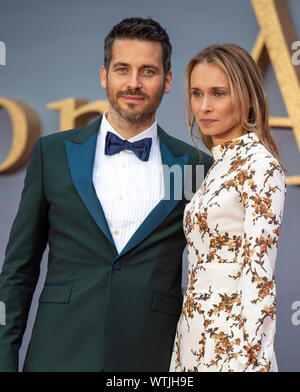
(207, 122)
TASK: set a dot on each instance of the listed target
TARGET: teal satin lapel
(81, 161)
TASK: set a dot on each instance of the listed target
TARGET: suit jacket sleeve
(21, 268)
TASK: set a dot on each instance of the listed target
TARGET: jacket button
(117, 266)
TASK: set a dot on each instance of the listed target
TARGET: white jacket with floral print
(232, 226)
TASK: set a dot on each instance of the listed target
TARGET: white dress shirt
(127, 187)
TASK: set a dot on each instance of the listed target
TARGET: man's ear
(168, 82)
(103, 75)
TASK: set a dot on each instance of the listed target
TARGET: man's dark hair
(141, 29)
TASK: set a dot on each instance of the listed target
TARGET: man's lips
(207, 122)
(133, 98)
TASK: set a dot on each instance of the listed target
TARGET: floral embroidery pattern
(232, 225)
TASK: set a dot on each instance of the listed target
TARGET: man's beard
(135, 116)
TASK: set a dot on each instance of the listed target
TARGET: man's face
(135, 80)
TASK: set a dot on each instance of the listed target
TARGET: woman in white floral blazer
(233, 221)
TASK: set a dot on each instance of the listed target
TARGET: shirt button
(116, 232)
(121, 197)
(117, 266)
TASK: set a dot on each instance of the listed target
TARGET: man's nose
(134, 82)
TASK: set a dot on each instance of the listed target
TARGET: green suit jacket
(99, 310)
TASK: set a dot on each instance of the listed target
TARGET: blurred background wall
(54, 50)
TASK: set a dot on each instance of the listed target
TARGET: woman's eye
(196, 93)
(219, 93)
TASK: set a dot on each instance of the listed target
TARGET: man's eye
(122, 69)
(148, 71)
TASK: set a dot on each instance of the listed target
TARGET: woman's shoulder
(262, 164)
(261, 157)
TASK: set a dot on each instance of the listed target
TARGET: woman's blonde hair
(246, 85)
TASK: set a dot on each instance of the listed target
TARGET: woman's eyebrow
(212, 88)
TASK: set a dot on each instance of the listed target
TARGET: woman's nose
(206, 104)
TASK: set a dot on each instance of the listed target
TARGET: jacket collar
(80, 150)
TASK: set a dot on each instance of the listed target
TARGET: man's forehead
(135, 49)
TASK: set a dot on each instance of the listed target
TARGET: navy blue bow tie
(141, 148)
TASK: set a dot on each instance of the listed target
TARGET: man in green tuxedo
(95, 194)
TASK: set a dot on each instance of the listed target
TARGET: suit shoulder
(184, 147)
(57, 136)
(180, 147)
(76, 134)
(198, 156)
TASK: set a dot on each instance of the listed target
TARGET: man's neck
(129, 129)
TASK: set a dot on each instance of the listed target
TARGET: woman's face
(211, 103)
